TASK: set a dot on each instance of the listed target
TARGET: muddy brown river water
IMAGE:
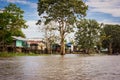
(56, 67)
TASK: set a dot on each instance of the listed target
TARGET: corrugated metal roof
(19, 38)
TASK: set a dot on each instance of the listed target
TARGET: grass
(6, 54)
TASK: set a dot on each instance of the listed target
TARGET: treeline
(89, 34)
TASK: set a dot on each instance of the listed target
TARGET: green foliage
(64, 12)
(112, 33)
(58, 10)
(88, 34)
(11, 23)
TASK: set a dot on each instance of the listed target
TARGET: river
(57, 67)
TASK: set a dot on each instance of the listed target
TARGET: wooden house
(36, 46)
(19, 43)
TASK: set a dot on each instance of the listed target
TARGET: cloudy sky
(104, 11)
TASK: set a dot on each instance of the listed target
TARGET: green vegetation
(112, 38)
(88, 34)
(5, 54)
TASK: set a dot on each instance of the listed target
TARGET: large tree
(112, 41)
(12, 22)
(64, 12)
(88, 34)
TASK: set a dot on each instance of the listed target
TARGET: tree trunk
(3, 47)
(86, 51)
(48, 47)
(62, 34)
(62, 51)
(110, 48)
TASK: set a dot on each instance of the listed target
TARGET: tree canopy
(64, 12)
(88, 34)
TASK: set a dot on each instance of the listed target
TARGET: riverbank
(6, 54)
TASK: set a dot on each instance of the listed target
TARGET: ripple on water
(57, 67)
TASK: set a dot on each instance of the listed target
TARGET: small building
(56, 47)
(1, 11)
(20, 43)
(37, 46)
(70, 47)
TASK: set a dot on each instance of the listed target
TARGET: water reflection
(57, 67)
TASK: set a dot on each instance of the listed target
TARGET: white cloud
(106, 6)
(106, 21)
(33, 30)
(33, 5)
(31, 23)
